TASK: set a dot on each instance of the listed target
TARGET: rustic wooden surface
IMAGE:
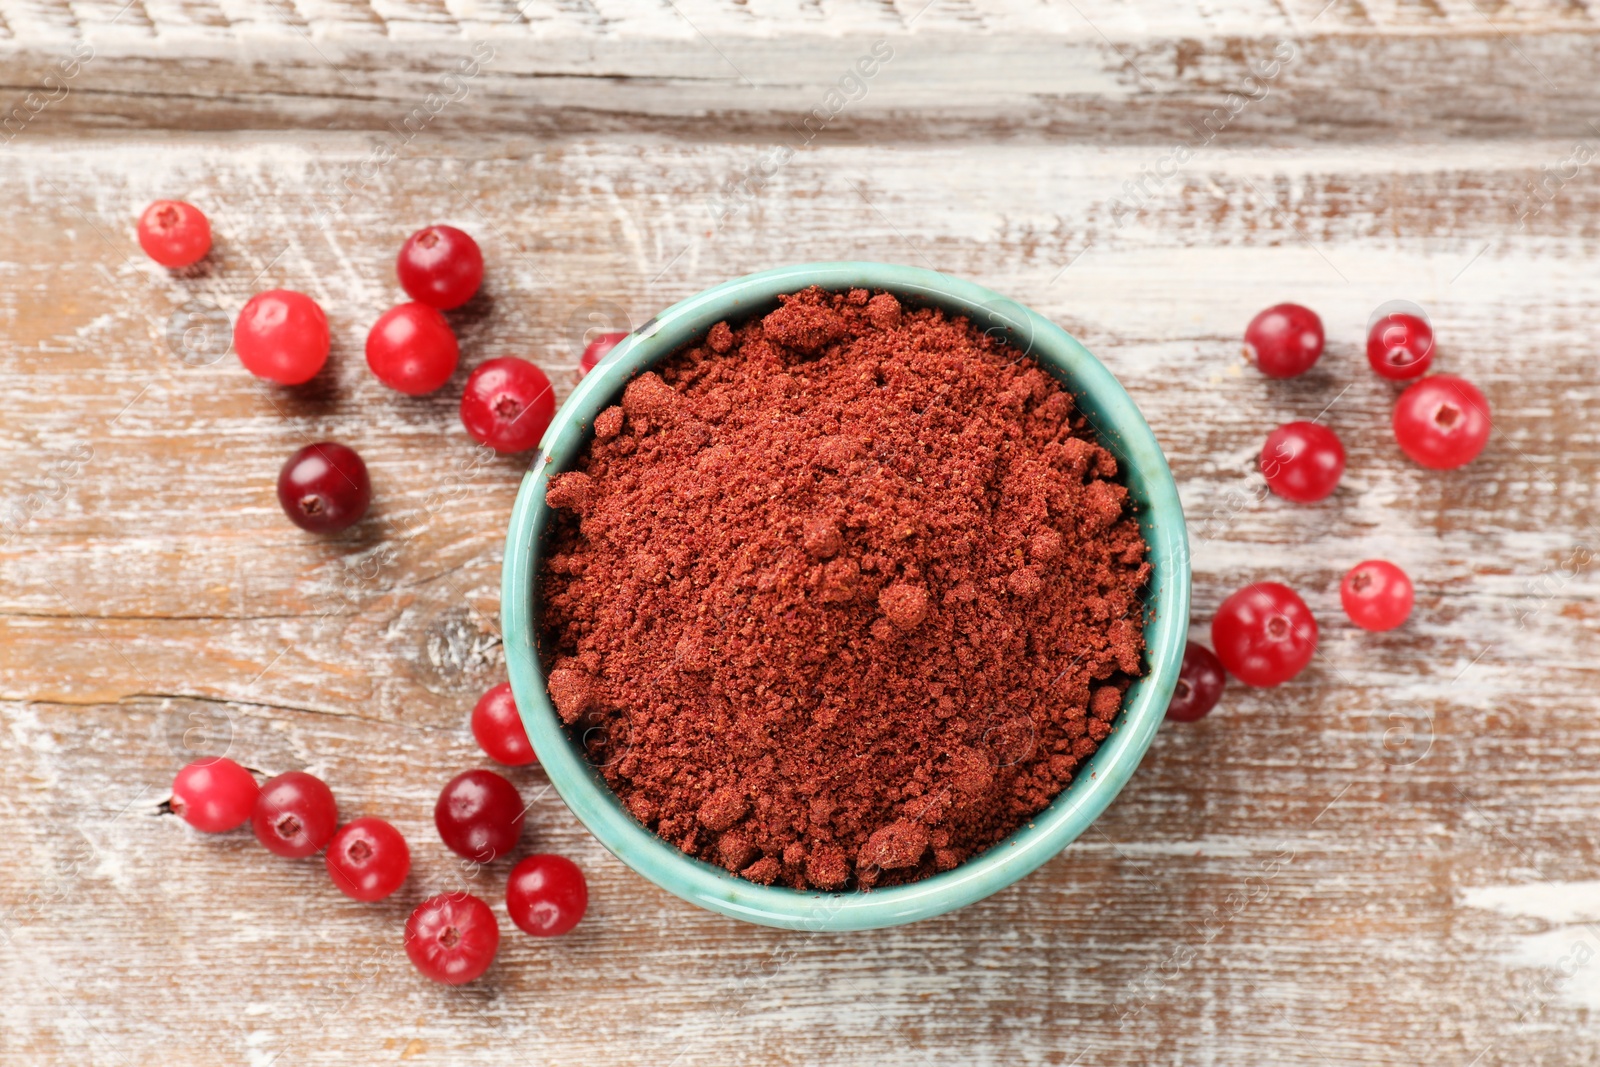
(1390, 860)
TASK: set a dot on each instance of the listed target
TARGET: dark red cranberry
(1302, 461)
(508, 404)
(324, 488)
(295, 814)
(1400, 346)
(1284, 340)
(1200, 684)
(479, 815)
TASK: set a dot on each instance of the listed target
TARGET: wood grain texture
(1389, 860)
(1011, 70)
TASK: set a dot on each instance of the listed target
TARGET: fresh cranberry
(1284, 340)
(324, 487)
(295, 815)
(1200, 682)
(508, 404)
(282, 336)
(479, 815)
(1302, 461)
(1400, 346)
(499, 729)
(546, 895)
(1264, 634)
(368, 859)
(214, 795)
(440, 266)
(1376, 595)
(1442, 422)
(411, 348)
(597, 350)
(174, 234)
(452, 938)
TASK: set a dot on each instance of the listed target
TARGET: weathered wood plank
(153, 601)
(994, 70)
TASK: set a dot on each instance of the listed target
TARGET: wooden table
(1391, 860)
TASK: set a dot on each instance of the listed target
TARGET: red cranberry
(282, 336)
(546, 895)
(597, 350)
(214, 795)
(174, 234)
(1284, 340)
(324, 488)
(368, 859)
(508, 404)
(1442, 422)
(295, 815)
(1264, 634)
(479, 815)
(1376, 595)
(441, 266)
(1400, 346)
(452, 938)
(1200, 683)
(499, 729)
(411, 348)
(1302, 461)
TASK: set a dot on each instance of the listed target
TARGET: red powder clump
(842, 596)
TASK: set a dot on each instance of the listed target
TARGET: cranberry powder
(842, 596)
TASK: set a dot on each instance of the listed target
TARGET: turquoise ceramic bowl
(1150, 485)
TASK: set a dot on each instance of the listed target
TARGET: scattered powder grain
(842, 596)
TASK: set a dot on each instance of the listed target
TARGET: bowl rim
(1120, 427)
